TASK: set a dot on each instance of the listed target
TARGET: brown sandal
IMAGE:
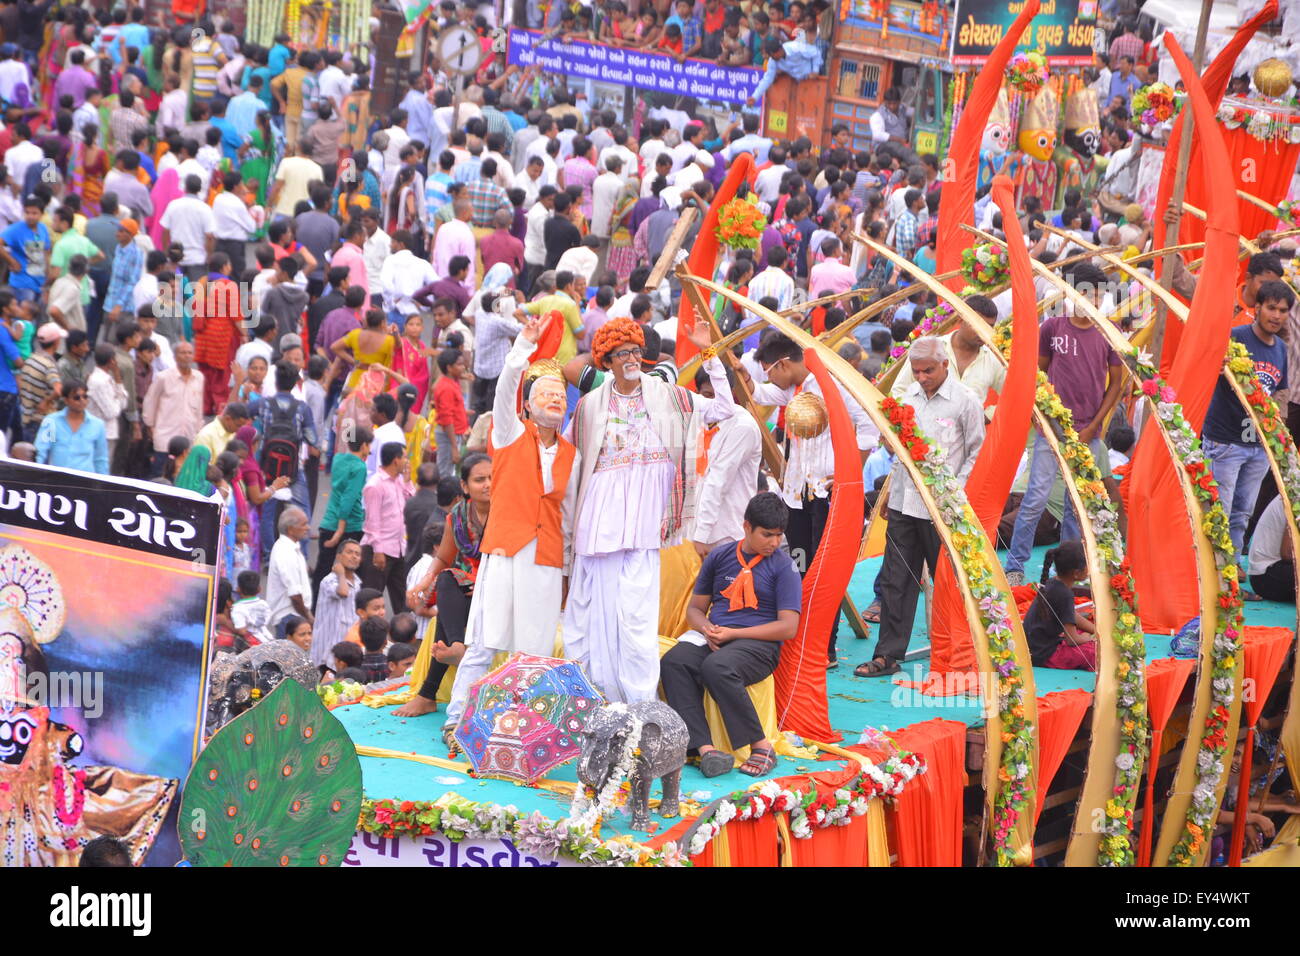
(876, 667)
(761, 760)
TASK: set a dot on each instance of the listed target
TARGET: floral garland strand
(533, 833)
(985, 266)
(1242, 368)
(589, 808)
(1211, 760)
(930, 321)
(1012, 797)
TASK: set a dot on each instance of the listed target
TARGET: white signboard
(371, 849)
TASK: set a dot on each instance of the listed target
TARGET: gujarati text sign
(1063, 31)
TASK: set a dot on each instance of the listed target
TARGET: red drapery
(1166, 679)
(801, 674)
(1059, 716)
(927, 817)
(704, 254)
(957, 204)
(1163, 564)
(951, 649)
(1265, 648)
(1215, 80)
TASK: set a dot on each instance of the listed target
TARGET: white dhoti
(516, 607)
(611, 622)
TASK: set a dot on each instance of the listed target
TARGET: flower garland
(69, 815)
(1154, 103)
(930, 322)
(1211, 761)
(1012, 798)
(1027, 73)
(985, 266)
(589, 808)
(1289, 212)
(459, 819)
(1260, 122)
(740, 224)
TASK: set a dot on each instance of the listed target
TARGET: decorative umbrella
(523, 718)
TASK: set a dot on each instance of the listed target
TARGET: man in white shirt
(949, 414)
(581, 259)
(653, 146)
(333, 82)
(768, 183)
(188, 165)
(692, 142)
(189, 221)
(532, 179)
(732, 450)
(22, 153)
(376, 250)
(234, 224)
(630, 169)
(174, 106)
(686, 178)
(402, 275)
(534, 237)
(397, 138)
(106, 396)
(288, 585)
(774, 281)
(751, 142)
(383, 415)
(605, 191)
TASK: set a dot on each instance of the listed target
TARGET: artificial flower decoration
(740, 224)
(1027, 72)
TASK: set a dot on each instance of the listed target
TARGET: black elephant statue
(662, 754)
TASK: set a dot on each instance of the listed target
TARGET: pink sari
(164, 191)
(415, 367)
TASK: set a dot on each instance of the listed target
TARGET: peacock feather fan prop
(280, 785)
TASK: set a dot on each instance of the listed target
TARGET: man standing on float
(637, 437)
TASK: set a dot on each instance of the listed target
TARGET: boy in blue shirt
(746, 602)
(27, 252)
(1236, 457)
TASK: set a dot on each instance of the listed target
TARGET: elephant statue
(662, 754)
(238, 681)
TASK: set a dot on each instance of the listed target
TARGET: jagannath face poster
(106, 594)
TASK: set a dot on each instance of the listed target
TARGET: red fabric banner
(703, 257)
(1059, 717)
(927, 816)
(1265, 648)
(1166, 679)
(801, 674)
(957, 202)
(1163, 565)
(990, 480)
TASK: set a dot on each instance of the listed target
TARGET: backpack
(281, 440)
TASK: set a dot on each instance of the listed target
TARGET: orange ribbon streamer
(740, 592)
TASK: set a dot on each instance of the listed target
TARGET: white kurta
(516, 603)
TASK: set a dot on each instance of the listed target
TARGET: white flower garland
(585, 813)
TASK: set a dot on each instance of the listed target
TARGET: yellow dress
(382, 356)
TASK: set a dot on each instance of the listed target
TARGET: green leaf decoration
(280, 785)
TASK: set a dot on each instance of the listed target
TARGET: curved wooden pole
(1175, 817)
(866, 395)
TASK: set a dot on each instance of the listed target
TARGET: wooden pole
(1180, 186)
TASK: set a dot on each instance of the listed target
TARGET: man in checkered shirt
(1128, 43)
(486, 196)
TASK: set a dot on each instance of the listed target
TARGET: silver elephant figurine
(662, 754)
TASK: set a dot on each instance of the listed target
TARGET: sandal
(449, 739)
(761, 760)
(877, 667)
(1250, 595)
(714, 763)
(872, 614)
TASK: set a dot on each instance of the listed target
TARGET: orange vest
(520, 511)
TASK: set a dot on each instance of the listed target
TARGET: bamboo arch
(1176, 810)
(870, 399)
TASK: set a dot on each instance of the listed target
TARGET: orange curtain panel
(926, 818)
(1166, 679)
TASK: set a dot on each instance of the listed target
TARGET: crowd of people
(226, 274)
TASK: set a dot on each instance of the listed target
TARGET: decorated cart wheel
(28, 585)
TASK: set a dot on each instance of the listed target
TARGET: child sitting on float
(1058, 636)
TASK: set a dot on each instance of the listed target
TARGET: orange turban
(612, 334)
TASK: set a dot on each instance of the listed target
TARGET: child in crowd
(374, 639)
(404, 628)
(1057, 635)
(342, 656)
(243, 551)
(369, 603)
(250, 614)
(1121, 443)
(449, 406)
(225, 637)
(400, 658)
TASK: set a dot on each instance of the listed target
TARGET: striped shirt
(204, 85)
(497, 123)
(334, 615)
(36, 381)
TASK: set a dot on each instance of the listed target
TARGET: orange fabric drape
(1166, 679)
(927, 816)
(750, 842)
(1059, 716)
(1264, 650)
(801, 674)
(1215, 80)
(1163, 564)
(834, 846)
(951, 649)
(957, 202)
(703, 258)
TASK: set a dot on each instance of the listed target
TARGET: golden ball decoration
(544, 367)
(1272, 77)
(805, 416)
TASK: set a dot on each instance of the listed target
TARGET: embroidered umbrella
(523, 718)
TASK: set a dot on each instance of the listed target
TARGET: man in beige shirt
(973, 362)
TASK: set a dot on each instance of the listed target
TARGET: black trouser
(804, 535)
(530, 274)
(453, 616)
(1277, 583)
(235, 249)
(392, 577)
(100, 278)
(122, 450)
(325, 554)
(910, 544)
(688, 670)
(482, 392)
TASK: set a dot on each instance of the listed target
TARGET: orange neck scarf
(706, 439)
(740, 592)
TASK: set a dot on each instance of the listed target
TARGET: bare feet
(448, 653)
(417, 706)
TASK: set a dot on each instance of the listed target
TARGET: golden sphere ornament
(805, 416)
(1272, 77)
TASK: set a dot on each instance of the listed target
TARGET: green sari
(193, 475)
(258, 163)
